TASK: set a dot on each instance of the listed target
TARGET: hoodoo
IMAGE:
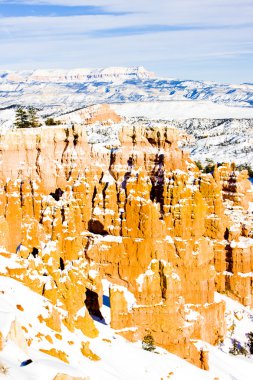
(139, 214)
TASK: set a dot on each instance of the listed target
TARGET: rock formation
(140, 215)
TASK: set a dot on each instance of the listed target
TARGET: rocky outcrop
(140, 215)
(102, 114)
(1, 341)
(16, 335)
(233, 256)
(62, 376)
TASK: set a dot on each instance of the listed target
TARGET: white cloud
(70, 42)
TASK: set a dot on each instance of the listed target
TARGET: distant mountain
(218, 116)
(78, 75)
(57, 91)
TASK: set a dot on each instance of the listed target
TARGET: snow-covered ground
(182, 110)
(120, 359)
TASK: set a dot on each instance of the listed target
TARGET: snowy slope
(120, 360)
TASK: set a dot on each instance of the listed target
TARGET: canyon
(130, 221)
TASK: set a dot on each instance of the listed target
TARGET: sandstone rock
(1, 341)
(142, 216)
(56, 353)
(16, 335)
(86, 351)
(61, 376)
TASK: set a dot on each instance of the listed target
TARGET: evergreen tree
(21, 120)
(33, 118)
(148, 343)
(51, 121)
(250, 342)
(237, 348)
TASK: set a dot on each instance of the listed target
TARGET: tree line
(28, 118)
(209, 167)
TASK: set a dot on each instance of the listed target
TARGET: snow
(13, 293)
(169, 239)
(181, 110)
(120, 359)
(43, 368)
(108, 178)
(112, 239)
(129, 297)
(191, 315)
(7, 316)
(229, 367)
(80, 75)
(242, 243)
(217, 116)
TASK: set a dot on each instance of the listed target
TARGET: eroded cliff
(139, 214)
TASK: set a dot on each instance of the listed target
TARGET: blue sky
(190, 39)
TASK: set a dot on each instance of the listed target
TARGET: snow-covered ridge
(78, 75)
(57, 90)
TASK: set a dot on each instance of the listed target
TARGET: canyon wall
(140, 215)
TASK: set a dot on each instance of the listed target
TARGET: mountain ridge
(82, 87)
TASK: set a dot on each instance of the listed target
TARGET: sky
(187, 39)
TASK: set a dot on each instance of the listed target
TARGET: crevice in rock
(63, 215)
(226, 234)
(134, 136)
(21, 194)
(119, 203)
(104, 194)
(130, 163)
(112, 161)
(62, 265)
(75, 136)
(158, 181)
(33, 200)
(66, 144)
(35, 252)
(229, 265)
(38, 149)
(92, 304)
(86, 248)
(96, 227)
(41, 214)
(229, 259)
(162, 281)
(6, 200)
(94, 197)
(57, 194)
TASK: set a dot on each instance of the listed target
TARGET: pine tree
(148, 343)
(250, 342)
(51, 121)
(237, 348)
(33, 118)
(21, 120)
